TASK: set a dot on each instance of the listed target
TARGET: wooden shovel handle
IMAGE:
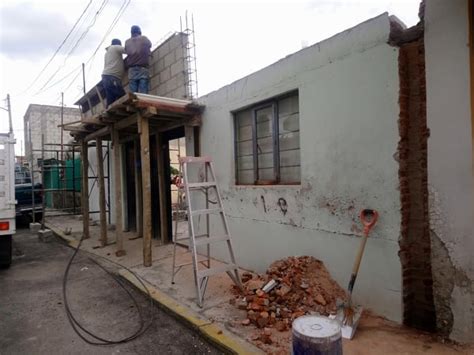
(369, 218)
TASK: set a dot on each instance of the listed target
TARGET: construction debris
(291, 287)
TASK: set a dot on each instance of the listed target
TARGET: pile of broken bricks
(291, 288)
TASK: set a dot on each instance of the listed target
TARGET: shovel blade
(348, 331)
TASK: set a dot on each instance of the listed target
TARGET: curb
(220, 337)
(217, 335)
(71, 241)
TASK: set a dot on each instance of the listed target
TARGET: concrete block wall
(168, 69)
(44, 120)
(169, 74)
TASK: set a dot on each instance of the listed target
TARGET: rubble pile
(291, 287)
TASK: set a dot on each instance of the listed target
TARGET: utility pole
(83, 78)
(9, 109)
(62, 164)
(62, 129)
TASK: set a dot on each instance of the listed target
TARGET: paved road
(33, 319)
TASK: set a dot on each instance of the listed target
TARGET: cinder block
(172, 84)
(176, 68)
(164, 47)
(160, 90)
(169, 59)
(179, 93)
(166, 74)
(35, 227)
(177, 41)
(154, 81)
(179, 53)
(45, 235)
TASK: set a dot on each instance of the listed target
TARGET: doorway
(173, 148)
(130, 185)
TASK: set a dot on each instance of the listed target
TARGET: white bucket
(316, 335)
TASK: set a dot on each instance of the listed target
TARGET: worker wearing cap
(113, 71)
(138, 50)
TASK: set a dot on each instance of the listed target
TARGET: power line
(59, 48)
(119, 14)
(78, 68)
(83, 35)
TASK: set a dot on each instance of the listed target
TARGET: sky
(44, 42)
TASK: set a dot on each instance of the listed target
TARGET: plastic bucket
(316, 335)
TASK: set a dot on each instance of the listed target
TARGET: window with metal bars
(267, 142)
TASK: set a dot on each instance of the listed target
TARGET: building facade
(378, 116)
(43, 120)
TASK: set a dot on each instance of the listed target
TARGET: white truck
(7, 197)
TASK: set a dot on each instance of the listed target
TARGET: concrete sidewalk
(220, 321)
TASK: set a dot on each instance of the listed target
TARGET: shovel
(349, 317)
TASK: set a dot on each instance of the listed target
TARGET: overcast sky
(233, 39)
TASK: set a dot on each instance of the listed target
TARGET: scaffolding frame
(189, 45)
(73, 150)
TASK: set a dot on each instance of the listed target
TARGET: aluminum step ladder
(202, 265)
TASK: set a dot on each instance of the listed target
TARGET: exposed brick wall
(415, 244)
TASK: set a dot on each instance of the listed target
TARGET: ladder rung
(206, 211)
(216, 270)
(195, 160)
(197, 185)
(191, 263)
(209, 240)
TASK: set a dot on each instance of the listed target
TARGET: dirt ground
(375, 335)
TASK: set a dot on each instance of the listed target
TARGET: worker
(113, 71)
(138, 50)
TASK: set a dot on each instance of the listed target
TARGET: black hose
(80, 330)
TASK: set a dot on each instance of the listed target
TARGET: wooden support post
(85, 190)
(118, 193)
(162, 181)
(146, 188)
(139, 191)
(100, 177)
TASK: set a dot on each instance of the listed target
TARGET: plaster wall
(450, 175)
(348, 103)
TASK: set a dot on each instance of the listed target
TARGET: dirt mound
(301, 285)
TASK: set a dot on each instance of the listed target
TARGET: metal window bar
(274, 102)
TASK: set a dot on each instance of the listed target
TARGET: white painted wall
(348, 101)
(450, 174)
(93, 185)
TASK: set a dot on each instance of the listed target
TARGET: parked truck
(25, 206)
(7, 197)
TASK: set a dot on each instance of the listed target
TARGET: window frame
(273, 103)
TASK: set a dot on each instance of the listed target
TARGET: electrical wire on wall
(87, 335)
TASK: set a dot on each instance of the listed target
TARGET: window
(267, 142)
